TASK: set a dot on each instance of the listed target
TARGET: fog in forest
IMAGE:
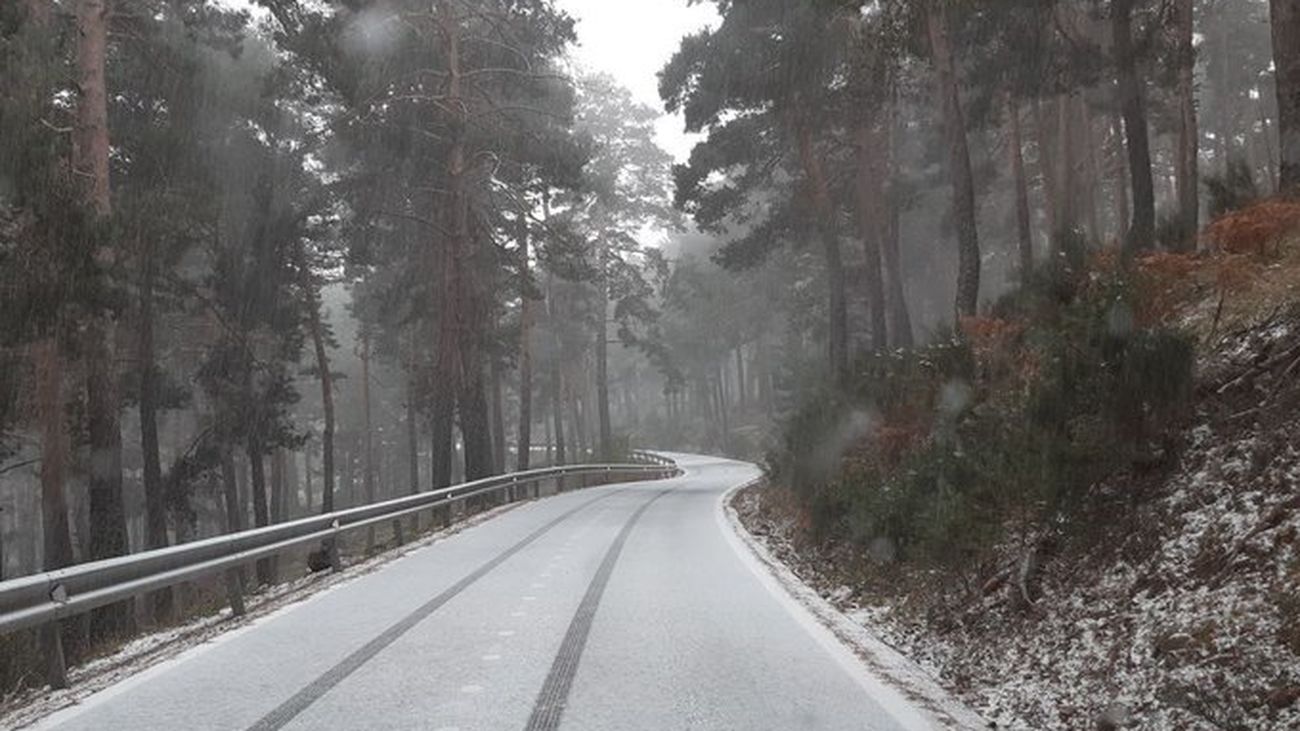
(265, 260)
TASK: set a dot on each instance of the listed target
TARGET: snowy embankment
(1185, 614)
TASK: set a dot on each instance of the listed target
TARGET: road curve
(619, 607)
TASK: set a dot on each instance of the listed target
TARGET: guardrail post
(56, 667)
(336, 564)
(235, 591)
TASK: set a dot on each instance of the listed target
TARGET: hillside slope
(1178, 607)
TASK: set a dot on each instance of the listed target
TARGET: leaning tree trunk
(1285, 16)
(108, 537)
(1025, 234)
(959, 165)
(1141, 233)
(155, 499)
(1186, 161)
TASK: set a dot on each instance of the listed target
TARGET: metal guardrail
(34, 600)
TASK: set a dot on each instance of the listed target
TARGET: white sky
(631, 40)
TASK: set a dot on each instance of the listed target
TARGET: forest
(965, 276)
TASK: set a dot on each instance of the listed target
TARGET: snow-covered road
(619, 607)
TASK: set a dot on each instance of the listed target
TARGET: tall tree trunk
(368, 437)
(581, 446)
(1141, 233)
(900, 319)
(317, 328)
(234, 524)
(441, 436)
(1285, 15)
(155, 500)
(1067, 180)
(606, 446)
(959, 165)
(108, 536)
(1015, 145)
(871, 180)
(1186, 161)
(828, 231)
(498, 419)
(742, 395)
(56, 537)
(1092, 169)
(524, 444)
(255, 451)
(306, 474)
(557, 413)
(412, 438)
(276, 459)
(1120, 171)
(1047, 169)
(548, 436)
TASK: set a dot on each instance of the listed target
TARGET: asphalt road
(618, 607)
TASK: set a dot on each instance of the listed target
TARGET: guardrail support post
(235, 591)
(56, 667)
(336, 564)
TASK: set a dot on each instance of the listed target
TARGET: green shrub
(1013, 448)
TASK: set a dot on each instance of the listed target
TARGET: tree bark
(317, 328)
(872, 215)
(1285, 16)
(1187, 158)
(1048, 171)
(1024, 231)
(900, 319)
(524, 444)
(155, 500)
(1141, 233)
(234, 524)
(828, 231)
(47, 361)
(108, 537)
(959, 164)
(606, 446)
(557, 413)
(367, 440)
(255, 452)
(498, 418)
(306, 474)
(742, 395)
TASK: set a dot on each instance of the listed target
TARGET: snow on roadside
(1192, 623)
(915, 684)
(146, 651)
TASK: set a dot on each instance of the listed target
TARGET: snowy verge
(882, 670)
(156, 648)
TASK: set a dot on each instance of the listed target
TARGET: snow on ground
(25, 708)
(1191, 620)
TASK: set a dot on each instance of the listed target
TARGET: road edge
(923, 703)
